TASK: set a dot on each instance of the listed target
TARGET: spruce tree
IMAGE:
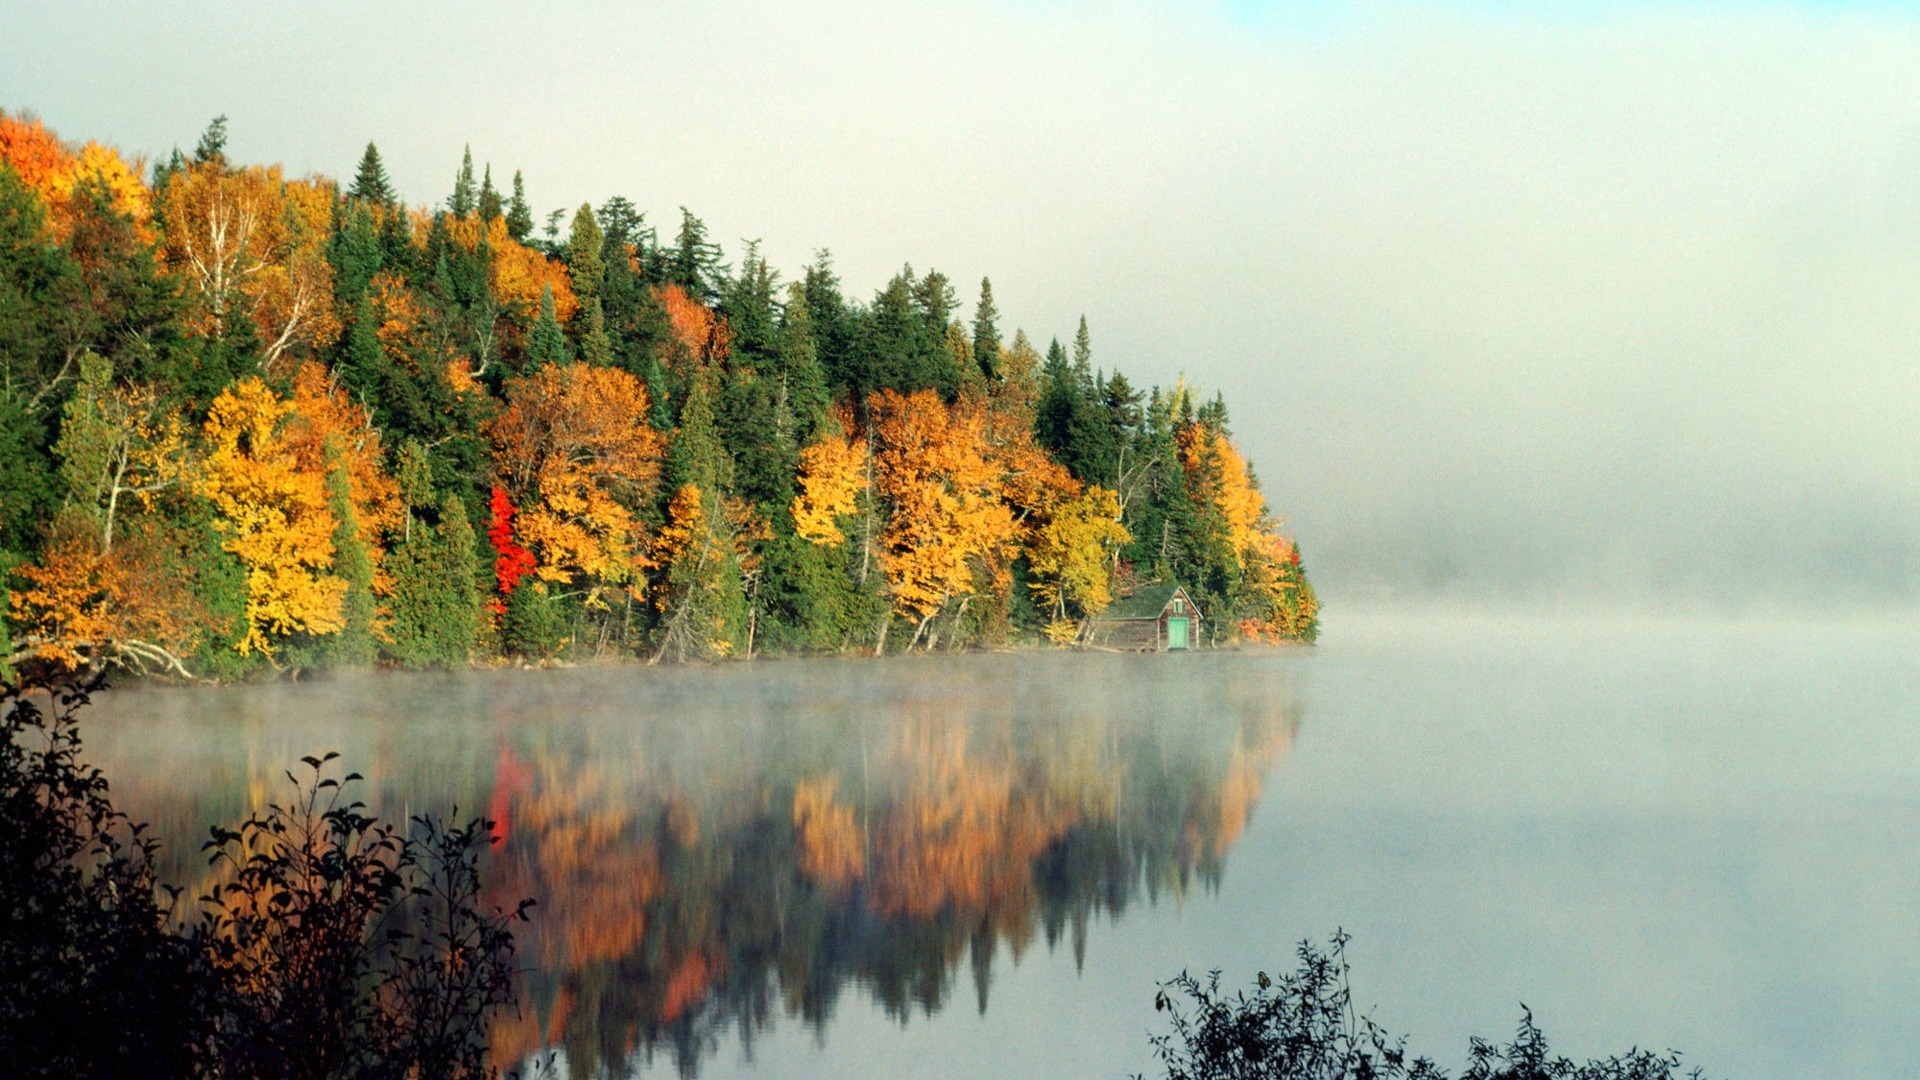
(355, 254)
(986, 333)
(546, 342)
(460, 204)
(695, 454)
(833, 325)
(519, 213)
(595, 348)
(435, 606)
(801, 376)
(1083, 355)
(489, 198)
(696, 263)
(212, 149)
(370, 180)
(460, 624)
(584, 262)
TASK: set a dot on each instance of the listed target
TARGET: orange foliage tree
(946, 523)
(577, 457)
(56, 173)
(1284, 606)
(701, 336)
(80, 606)
(326, 430)
(250, 241)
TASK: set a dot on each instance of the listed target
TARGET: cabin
(1156, 618)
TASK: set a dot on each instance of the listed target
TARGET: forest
(253, 424)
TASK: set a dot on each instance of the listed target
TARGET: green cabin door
(1176, 633)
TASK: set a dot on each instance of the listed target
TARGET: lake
(1696, 834)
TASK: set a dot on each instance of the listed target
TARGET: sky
(1536, 305)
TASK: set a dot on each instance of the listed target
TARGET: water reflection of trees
(712, 851)
(693, 893)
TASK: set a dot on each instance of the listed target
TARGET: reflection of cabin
(1156, 618)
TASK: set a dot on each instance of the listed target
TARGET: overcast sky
(1534, 303)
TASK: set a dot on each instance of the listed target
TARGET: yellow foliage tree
(55, 173)
(325, 424)
(833, 473)
(272, 511)
(117, 445)
(1071, 556)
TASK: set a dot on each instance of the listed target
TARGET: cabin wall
(1143, 635)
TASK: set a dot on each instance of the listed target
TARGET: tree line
(251, 422)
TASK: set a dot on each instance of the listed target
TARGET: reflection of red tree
(688, 984)
(511, 777)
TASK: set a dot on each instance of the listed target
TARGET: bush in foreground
(1303, 1027)
(333, 945)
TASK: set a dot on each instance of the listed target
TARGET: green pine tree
(519, 213)
(584, 262)
(595, 347)
(546, 342)
(213, 144)
(986, 333)
(461, 203)
(370, 180)
(435, 606)
(489, 205)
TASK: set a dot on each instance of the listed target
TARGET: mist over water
(1681, 832)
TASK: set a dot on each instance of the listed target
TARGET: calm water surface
(1700, 835)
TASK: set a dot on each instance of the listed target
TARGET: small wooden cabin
(1156, 618)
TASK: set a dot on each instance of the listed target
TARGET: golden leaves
(574, 449)
(833, 473)
(517, 273)
(252, 242)
(55, 173)
(273, 513)
(946, 516)
(1071, 554)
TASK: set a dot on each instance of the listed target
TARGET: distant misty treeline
(249, 422)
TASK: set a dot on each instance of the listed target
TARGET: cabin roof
(1147, 602)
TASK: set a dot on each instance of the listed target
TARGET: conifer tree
(546, 342)
(986, 333)
(436, 603)
(800, 373)
(489, 205)
(584, 262)
(370, 180)
(1083, 355)
(461, 203)
(832, 324)
(212, 149)
(696, 264)
(355, 254)
(933, 295)
(519, 213)
(595, 348)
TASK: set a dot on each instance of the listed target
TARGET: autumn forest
(253, 423)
